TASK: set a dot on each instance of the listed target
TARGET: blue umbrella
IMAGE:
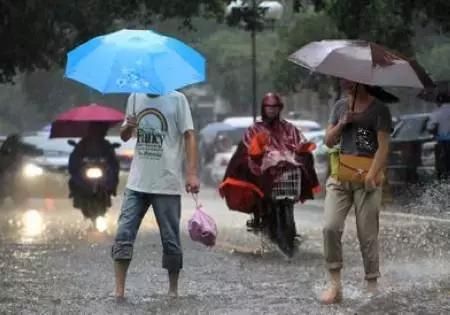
(135, 61)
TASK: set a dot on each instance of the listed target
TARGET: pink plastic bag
(202, 227)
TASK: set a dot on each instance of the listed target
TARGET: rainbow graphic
(154, 112)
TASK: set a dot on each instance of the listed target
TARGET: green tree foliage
(306, 27)
(229, 64)
(37, 34)
(392, 23)
(437, 61)
(388, 22)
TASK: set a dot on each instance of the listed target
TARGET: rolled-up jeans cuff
(334, 266)
(372, 276)
(172, 262)
(122, 251)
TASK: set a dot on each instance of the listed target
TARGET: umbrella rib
(110, 71)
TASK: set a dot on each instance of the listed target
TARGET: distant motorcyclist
(13, 152)
(13, 147)
(10, 153)
(93, 146)
(439, 126)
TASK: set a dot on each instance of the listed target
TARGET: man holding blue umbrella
(151, 67)
(161, 124)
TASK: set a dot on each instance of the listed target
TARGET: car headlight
(94, 172)
(32, 170)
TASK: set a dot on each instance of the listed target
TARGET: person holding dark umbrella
(90, 123)
(92, 145)
(361, 124)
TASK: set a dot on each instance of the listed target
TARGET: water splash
(33, 224)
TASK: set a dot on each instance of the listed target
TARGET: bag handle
(351, 108)
(197, 203)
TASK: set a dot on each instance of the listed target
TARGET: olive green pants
(340, 198)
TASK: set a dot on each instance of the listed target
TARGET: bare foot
(173, 284)
(120, 293)
(372, 286)
(332, 295)
(120, 299)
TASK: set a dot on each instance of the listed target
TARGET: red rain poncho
(251, 171)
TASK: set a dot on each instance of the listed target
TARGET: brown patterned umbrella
(363, 62)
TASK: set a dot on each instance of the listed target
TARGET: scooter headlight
(32, 170)
(94, 173)
(101, 224)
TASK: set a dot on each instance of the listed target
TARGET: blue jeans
(167, 210)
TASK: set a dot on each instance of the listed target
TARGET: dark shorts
(167, 209)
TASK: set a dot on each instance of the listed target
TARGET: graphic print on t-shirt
(151, 132)
(366, 140)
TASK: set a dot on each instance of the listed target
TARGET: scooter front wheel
(285, 229)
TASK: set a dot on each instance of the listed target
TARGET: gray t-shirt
(360, 137)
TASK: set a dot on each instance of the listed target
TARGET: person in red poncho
(252, 169)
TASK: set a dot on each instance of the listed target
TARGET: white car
(47, 175)
(315, 136)
(321, 159)
(220, 164)
(306, 125)
(239, 121)
(247, 121)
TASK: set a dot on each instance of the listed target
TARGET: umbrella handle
(352, 108)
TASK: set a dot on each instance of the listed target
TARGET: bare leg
(121, 268)
(333, 294)
(173, 283)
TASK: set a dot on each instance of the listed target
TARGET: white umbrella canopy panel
(363, 62)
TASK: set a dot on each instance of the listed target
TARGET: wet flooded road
(53, 262)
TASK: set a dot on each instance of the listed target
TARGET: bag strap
(197, 203)
(357, 170)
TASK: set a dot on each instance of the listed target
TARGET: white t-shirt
(157, 163)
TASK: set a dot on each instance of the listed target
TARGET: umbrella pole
(355, 94)
(254, 73)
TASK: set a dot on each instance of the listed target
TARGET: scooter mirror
(72, 143)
